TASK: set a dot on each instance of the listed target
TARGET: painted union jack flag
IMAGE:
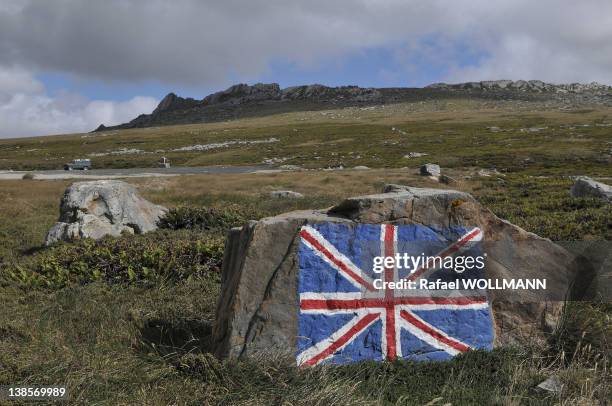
(344, 317)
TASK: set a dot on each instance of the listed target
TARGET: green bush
(151, 258)
(203, 218)
(545, 207)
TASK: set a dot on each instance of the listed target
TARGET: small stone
(291, 167)
(415, 155)
(285, 194)
(489, 172)
(361, 168)
(552, 384)
(393, 188)
(430, 170)
(447, 180)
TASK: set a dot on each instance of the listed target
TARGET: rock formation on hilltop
(525, 86)
(174, 102)
(262, 99)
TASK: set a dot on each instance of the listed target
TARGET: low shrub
(203, 218)
(545, 207)
(151, 258)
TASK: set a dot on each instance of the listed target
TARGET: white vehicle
(83, 164)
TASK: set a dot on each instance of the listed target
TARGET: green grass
(125, 338)
(545, 207)
(564, 146)
(133, 345)
(128, 320)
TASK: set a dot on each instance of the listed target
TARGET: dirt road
(132, 172)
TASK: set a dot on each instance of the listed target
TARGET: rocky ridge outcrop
(525, 86)
(243, 100)
(174, 102)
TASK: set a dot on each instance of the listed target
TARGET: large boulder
(587, 187)
(264, 264)
(103, 207)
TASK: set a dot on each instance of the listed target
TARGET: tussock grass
(90, 316)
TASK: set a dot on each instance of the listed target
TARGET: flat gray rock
(587, 187)
(552, 384)
(285, 194)
(430, 170)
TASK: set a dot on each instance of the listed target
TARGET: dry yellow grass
(29, 207)
(331, 183)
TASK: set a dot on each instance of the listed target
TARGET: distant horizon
(290, 86)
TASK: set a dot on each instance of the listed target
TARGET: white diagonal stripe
(338, 255)
(321, 346)
(422, 335)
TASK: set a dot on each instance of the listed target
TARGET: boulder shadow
(175, 337)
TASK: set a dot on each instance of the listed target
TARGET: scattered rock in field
(552, 384)
(291, 167)
(587, 187)
(259, 310)
(533, 129)
(285, 194)
(103, 207)
(415, 155)
(447, 180)
(225, 144)
(393, 188)
(274, 161)
(430, 170)
(489, 172)
(120, 151)
(361, 168)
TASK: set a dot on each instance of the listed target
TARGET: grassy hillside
(511, 136)
(127, 320)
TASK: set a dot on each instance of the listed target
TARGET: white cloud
(555, 41)
(27, 110)
(210, 43)
(207, 42)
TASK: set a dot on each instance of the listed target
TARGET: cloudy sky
(70, 65)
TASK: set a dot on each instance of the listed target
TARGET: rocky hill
(261, 99)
